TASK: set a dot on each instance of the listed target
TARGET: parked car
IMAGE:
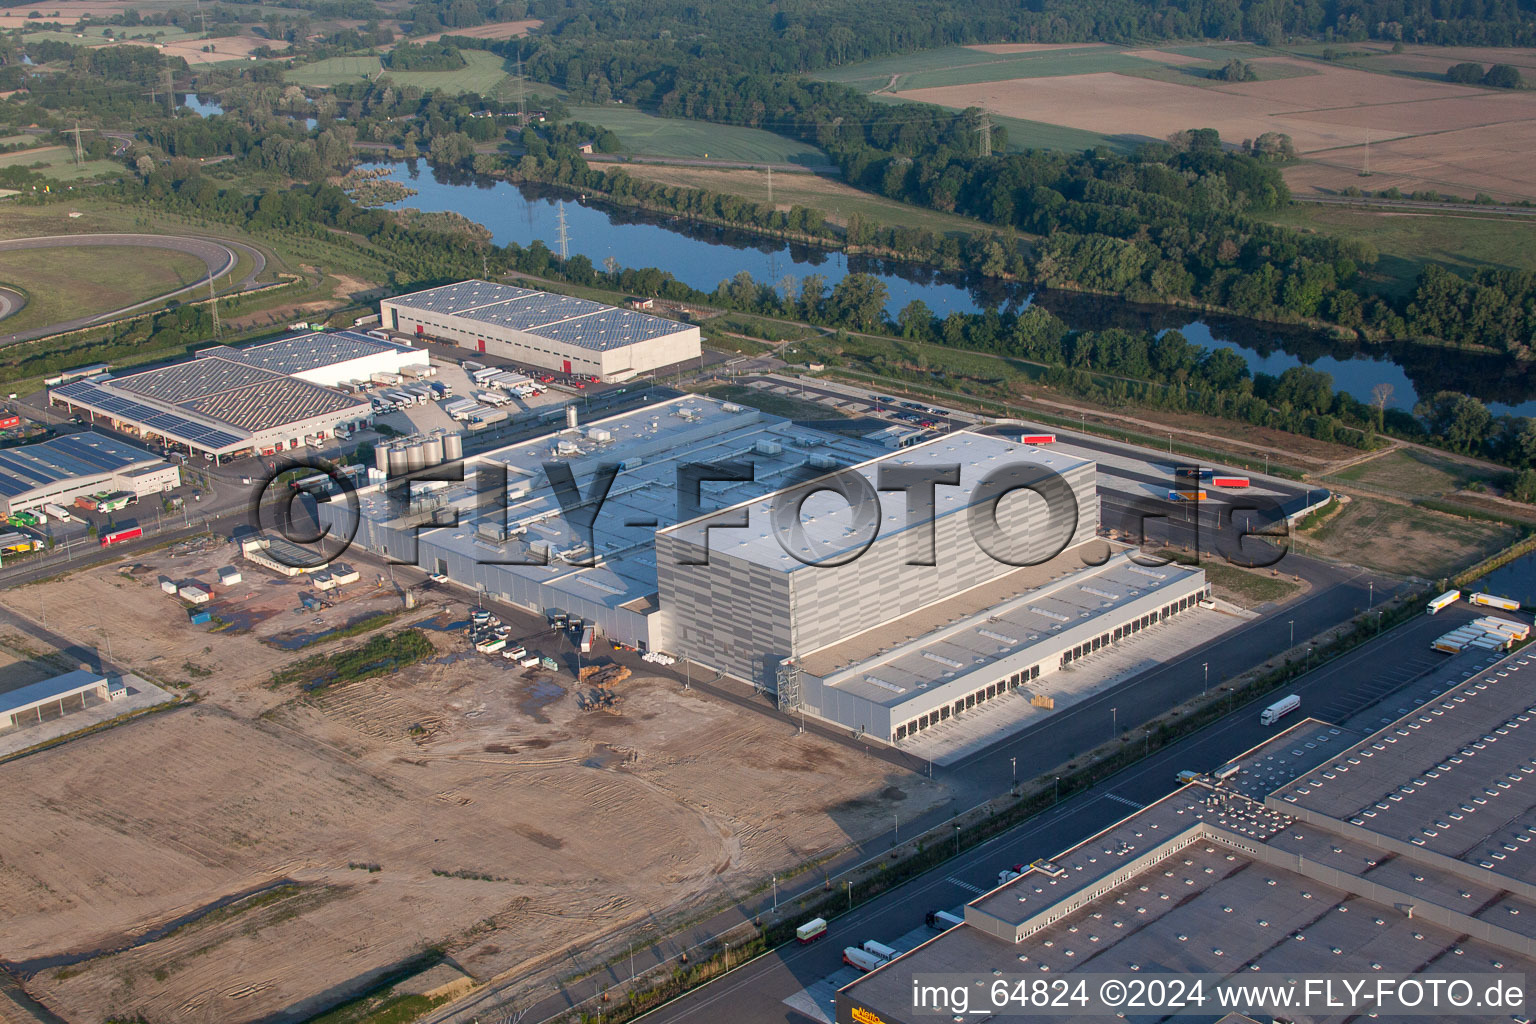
(438, 577)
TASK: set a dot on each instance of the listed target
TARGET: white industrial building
(835, 608)
(541, 329)
(27, 704)
(257, 400)
(63, 469)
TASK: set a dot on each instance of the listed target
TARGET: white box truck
(1446, 599)
(812, 930)
(1279, 709)
(943, 920)
(58, 512)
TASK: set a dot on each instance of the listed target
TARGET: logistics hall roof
(829, 530)
(1211, 881)
(563, 318)
(305, 352)
(651, 444)
(29, 467)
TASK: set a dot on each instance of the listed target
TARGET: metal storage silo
(397, 463)
(453, 447)
(432, 451)
(570, 417)
(415, 456)
(381, 459)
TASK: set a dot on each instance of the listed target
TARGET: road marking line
(1117, 798)
(967, 886)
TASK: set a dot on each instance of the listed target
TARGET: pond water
(703, 256)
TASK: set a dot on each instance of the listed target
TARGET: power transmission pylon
(770, 188)
(213, 304)
(1366, 173)
(522, 92)
(79, 154)
(564, 236)
(985, 130)
(170, 94)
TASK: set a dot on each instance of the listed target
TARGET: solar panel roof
(272, 402)
(306, 351)
(184, 381)
(613, 328)
(536, 310)
(32, 466)
(461, 297)
(93, 395)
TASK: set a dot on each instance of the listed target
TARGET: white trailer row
(1473, 637)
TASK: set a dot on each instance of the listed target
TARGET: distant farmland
(1424, 134)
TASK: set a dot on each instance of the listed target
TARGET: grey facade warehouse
(541, 329)
(781, 571)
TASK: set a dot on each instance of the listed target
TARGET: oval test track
(218, 256)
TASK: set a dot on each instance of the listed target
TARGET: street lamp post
(775, 893)
(897, 819)
(1205, 686)
(1293, 632)
(1371, 592)
(1114, 719)
(1015, 763)
(957, 839)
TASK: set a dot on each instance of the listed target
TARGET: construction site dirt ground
(256, 855)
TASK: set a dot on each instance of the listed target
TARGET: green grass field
(58, 162)
(323, 74)
(482, 73)
(1458, 240)
(61, 284)
(1408, 471)
(647, 135)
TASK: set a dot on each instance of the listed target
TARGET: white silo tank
(453, 447)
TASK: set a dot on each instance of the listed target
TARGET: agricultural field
(1423, 133)
(483, 73)
(61, 284)
(495, 30)
(648, 135)
(452, 802)
(815, 191)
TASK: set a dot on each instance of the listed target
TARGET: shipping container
(1450, 597)
(1229, 481)
(1226, 771)
(588, 635)
(1493, 601)
(199, 618)
(1186, 495)
(1038, 439)
(7, 422)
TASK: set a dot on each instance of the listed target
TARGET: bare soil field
(460, 801)
(1030, 47)
(1423, 135)
(495, 30)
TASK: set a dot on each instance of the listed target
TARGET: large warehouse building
(228, 402)
(63, 469)
(1408, 852)
(782, 590)
(542, 329)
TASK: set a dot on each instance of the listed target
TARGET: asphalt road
(219, 257)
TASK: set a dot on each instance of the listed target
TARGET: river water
(703, 257)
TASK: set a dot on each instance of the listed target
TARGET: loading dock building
(67, 467)
(228, 402)
(541, 329)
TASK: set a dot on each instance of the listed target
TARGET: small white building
(28, 703)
